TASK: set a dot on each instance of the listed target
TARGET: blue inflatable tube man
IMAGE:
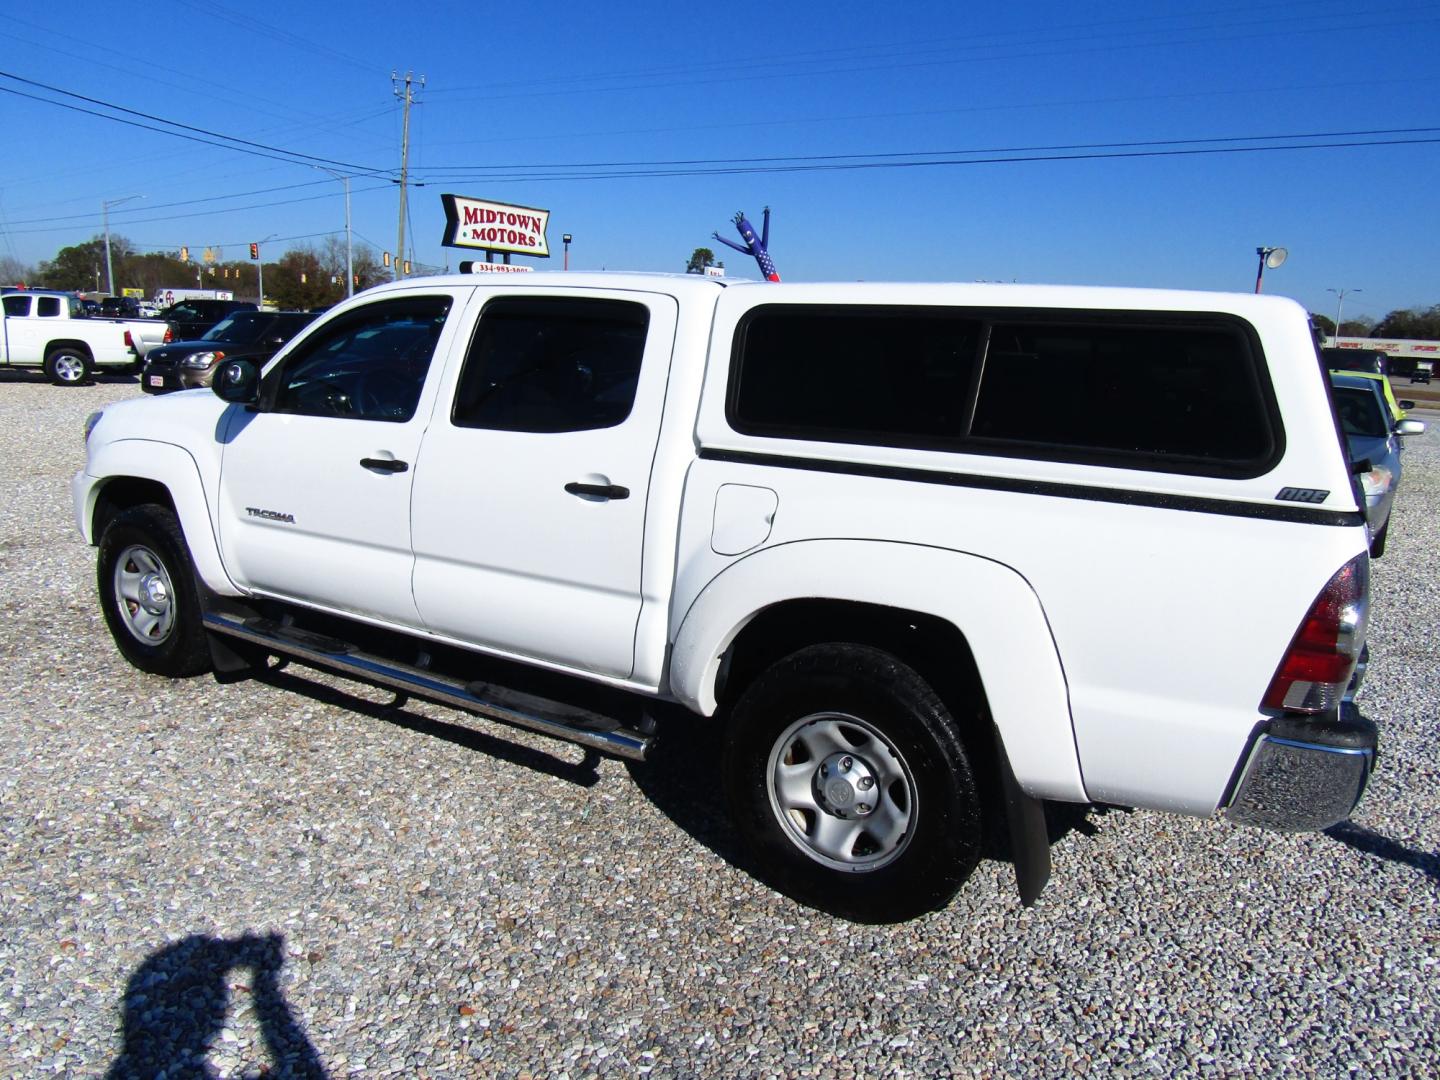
(756, 246)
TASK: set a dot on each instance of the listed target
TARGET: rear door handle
(384, 464)
(603, 491)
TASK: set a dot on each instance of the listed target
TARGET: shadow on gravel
(681, 778)
(36, 376)
(583, 773)
(175, 1006)
(1372, 843)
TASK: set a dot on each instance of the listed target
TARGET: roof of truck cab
(976, 294)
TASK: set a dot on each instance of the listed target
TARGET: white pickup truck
(50, 330)
(931, 554)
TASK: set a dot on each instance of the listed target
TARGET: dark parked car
(254, 335)
(189, 319)
(120, 307)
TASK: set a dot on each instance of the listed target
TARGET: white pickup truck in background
(931, 555)
(50, 330)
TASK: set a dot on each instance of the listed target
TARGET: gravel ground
(285, 877)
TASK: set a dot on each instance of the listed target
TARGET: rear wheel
(148, 593)
(850, 785)
(67, 365)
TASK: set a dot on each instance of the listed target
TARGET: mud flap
(1029, 838)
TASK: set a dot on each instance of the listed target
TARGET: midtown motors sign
(492, 226)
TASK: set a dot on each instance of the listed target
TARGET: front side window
(47, 307)
(548, 364)
(369, 364)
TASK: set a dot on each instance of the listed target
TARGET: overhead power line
(246, 146)
(968, 156)
(839, 166)
(216, 210)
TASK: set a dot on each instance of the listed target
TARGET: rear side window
(889, 376)
(1157, 393)
(1166, 392)
(551, 364)
(17, 305)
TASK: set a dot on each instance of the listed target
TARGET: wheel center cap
(845, 784)
(153, 593)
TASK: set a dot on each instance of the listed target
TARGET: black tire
(68, 365)
(1377, 545)
(148, 593)
(859, 717)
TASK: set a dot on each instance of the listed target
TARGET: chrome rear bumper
(1304, 773)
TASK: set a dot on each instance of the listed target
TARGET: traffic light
(387, 258)
(184, 254)
(407, 266)
(255, 251)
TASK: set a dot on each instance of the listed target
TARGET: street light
(1339, 306)
(105, 205)
(1271, 257)
(566, 239)
(349, 269)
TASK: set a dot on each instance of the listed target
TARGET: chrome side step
(543, 715)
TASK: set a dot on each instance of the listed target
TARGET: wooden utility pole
(407, 96)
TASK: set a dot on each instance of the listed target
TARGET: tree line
(1421, 323)
(301, 279)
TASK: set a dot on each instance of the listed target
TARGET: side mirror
(238, 382)
(1406, 404)
(1410, 427)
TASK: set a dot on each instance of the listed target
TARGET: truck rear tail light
(129, 341)
(1317, 667)
(169, 335)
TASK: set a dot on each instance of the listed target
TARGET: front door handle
(384, 464)
(603, 491)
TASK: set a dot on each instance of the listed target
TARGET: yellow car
(1368, 364)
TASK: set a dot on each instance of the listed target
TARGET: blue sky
(515, 94)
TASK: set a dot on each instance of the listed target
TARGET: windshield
(1360, 413)
(241, 329)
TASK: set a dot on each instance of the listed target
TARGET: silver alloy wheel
(144, 595)
(842, 792)
(69, 367)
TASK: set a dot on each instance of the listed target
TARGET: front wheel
(148, 593)
(850, 785)
(67, 365)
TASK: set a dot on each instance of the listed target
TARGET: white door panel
(506, 556)
(315, 486)
(302, 518)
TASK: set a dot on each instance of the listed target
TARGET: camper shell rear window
(1179, 392)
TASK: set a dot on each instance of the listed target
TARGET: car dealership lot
(287, 872)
